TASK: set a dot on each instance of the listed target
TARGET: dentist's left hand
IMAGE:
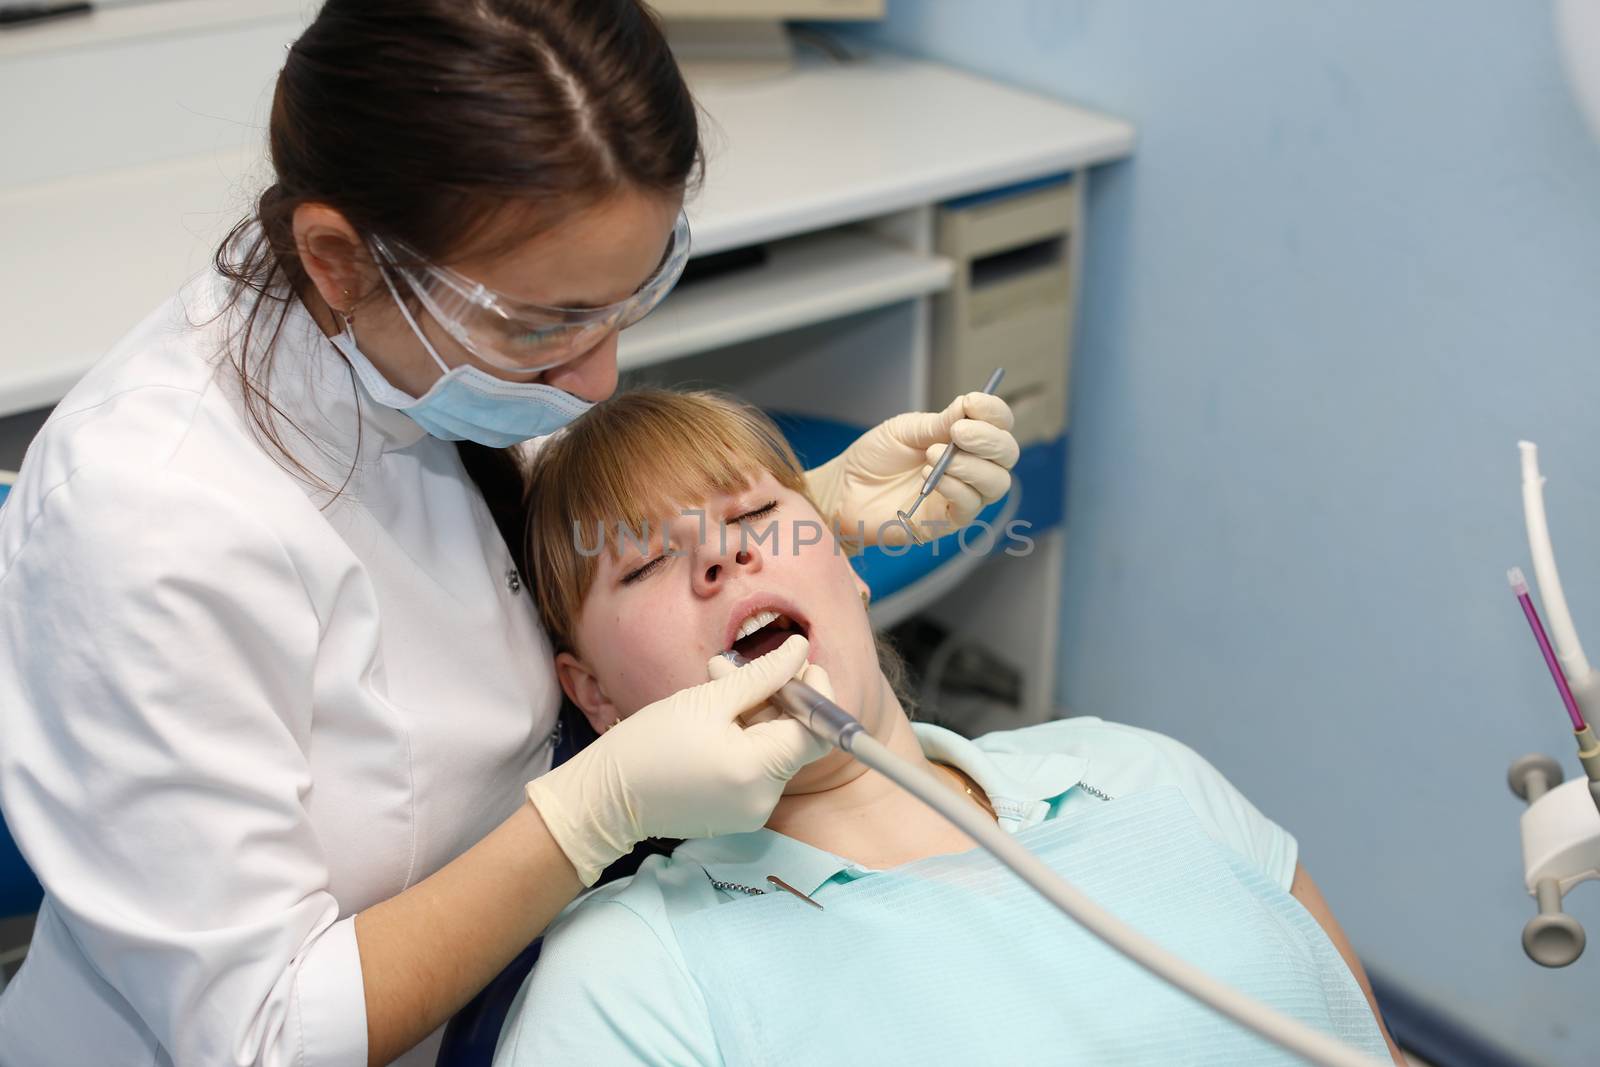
(681, 767)
(882, 471)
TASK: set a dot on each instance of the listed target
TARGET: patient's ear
(583, 689)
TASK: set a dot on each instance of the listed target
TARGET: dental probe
(931, 482)
(831, 723)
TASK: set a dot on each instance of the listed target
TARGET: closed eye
(642, 570)
(762, 512)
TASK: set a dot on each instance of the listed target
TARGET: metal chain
(1096, 793)
(734, 887)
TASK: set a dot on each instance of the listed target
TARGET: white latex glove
(681, 767)
(883, 471)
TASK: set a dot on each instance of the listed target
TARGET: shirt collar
(1021, 787)
(332, 414)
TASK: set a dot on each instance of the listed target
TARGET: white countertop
(82, 259)
(830, 143)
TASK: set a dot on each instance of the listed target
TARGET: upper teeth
(754, 623)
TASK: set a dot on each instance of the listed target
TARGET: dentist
(276, 709)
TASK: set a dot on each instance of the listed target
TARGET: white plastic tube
(1557, 617)
(1289, 1033)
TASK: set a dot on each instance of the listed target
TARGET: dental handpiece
(826, 720)
(931, 482)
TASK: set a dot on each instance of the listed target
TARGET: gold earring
(866, 598)
(348, 311)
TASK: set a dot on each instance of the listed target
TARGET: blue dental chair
(20, 892)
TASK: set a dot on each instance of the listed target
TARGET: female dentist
(270, 684)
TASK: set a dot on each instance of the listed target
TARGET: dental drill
(831, 723)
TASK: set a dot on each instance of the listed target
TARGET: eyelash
(764, 510)
(644, 569)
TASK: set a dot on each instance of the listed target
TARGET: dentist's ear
(583, 689)
(333, 256)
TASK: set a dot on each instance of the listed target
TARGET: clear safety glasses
(521, 337)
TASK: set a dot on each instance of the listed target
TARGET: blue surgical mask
(466, 404)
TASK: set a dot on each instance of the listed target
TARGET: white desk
(836, 167)
(829, 144)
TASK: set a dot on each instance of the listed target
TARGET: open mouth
(762, 631)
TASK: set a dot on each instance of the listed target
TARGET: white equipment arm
(1569, 650)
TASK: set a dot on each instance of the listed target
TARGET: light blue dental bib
(953, 960)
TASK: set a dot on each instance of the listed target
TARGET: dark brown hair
(422, 121)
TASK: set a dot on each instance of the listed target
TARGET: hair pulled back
(422, 120)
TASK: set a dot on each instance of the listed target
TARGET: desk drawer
(1010, 302)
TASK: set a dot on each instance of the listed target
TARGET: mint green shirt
(612, 984)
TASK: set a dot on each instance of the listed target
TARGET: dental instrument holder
(1560, 848)
(931, 482)
(1560, 841)
(1561, 826)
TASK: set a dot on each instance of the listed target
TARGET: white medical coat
(232, 713)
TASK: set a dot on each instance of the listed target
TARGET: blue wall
(1355, 258)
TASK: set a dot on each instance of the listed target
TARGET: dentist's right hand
(681, 767)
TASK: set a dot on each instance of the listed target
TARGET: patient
(858, 924)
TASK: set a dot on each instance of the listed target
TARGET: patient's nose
(722, 558)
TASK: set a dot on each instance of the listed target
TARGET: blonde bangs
(636, 461)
